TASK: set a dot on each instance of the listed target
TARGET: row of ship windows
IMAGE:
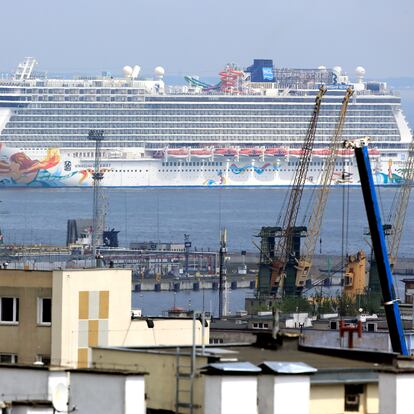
(267, 169)
(194, 133)
(157, 140)
(303, 109)
(87, 98)
(102, 118)
(192, 125)
(86, 91)
(192, 164)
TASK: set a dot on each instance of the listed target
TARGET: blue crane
(392, 311)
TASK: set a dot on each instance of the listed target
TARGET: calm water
(39, 216)
(155, 303)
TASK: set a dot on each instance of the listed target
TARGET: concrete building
(39, 389)
(57, 316)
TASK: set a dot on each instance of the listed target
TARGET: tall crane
(284, 245)
(397, 218)
(392, 311)
(322, 192)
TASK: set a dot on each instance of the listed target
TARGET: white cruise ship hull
(54, 168)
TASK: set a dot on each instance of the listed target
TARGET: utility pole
(222, 271)
(98, 214)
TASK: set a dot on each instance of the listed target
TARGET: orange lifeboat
(201, 153)
(323, 152)
(295, 152)
(276, 152)
(374, 152)
(226, 152)
(178, 153)
(251, 152)
(346, 152)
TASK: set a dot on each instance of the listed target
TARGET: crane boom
(402, 204)
(322, 192)
(282, 249)
(392, 311)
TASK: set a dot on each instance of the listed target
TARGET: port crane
(283, 246)
(392, 311)
(395, 226)
(315, 221)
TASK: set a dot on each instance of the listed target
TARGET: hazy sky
(194, 36)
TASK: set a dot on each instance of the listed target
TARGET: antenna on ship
(98, 217)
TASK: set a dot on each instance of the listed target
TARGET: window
(352, 397)
(8, 358)
(9, 310)
(44, 311)
(43, 359)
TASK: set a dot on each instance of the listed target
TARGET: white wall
(395, 393)
(23, 384)
(109, 394)
(90, 392)
(230, 394)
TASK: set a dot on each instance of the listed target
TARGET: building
(57, 316)
(343, 380)
(33, 389)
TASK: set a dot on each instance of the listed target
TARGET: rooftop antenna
(98, 217)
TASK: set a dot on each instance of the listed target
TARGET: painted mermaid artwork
(18, 169)
(21, 169)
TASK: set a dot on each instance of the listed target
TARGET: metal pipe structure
(392, 311)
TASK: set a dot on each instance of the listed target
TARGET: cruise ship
(245, 130)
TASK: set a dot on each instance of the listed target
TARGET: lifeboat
(276, 152)
(178, 153)
(251, 152)
(201, 153)
(324, 152)
(226, 152)
(374, 152)
(295, 152)
(346, 153)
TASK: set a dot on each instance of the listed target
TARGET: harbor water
(39, 217)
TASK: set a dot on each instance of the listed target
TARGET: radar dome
(322, 67)
(360, 71)
(337, 70)
(159, 71)
(127, 71)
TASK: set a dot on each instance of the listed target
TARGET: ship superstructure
(246, 130)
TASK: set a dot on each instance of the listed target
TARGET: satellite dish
(60, 398)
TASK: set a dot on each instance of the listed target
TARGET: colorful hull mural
(55, 168)
(17, 169)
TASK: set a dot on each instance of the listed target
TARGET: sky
(200, 37)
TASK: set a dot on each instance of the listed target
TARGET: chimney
(230, 387)
(284, 387)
